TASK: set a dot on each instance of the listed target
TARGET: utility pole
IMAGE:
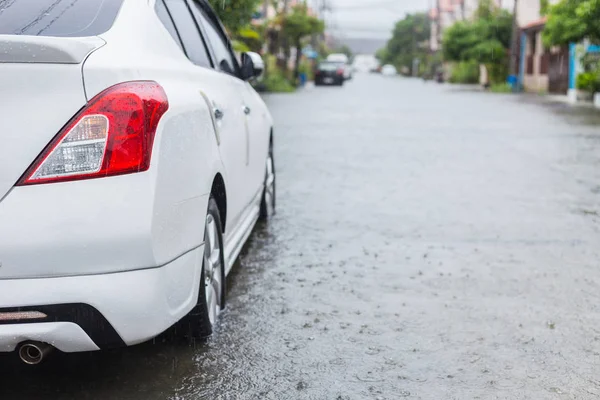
(286, 44)
(514, 46)
(438, 24)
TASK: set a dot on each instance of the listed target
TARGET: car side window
(220, 46)
(192, 41)
(165, 18)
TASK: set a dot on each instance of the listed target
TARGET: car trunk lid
(42, 89)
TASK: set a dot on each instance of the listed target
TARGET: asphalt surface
(431, 242)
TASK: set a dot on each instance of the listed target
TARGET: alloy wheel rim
(213, 266)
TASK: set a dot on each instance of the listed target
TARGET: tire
(268, 201)
(200, 322)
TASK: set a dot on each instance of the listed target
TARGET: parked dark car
(329, 73)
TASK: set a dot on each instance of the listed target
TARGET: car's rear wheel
(267, 204)
(200, 322)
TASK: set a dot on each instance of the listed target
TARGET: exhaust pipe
(33, 353)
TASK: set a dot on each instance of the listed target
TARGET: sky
(367, 18)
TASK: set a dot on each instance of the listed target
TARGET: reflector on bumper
(21, 315)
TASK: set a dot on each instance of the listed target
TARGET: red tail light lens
(340, 71)
(112, 135)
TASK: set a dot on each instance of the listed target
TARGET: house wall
(451, 11)
(535, 82)
(528, 11)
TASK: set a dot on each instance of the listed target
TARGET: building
(540, 69)
(446, 13)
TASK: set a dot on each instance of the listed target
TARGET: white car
(135, 159)
(389, 70)
(343, 61)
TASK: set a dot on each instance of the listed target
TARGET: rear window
(328, 66)
(57, 17)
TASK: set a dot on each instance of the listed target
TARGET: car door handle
(247, 110)
(219, 114)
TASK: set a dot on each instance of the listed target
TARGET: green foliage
(458, 40)
(407, 43)
(239, 46)
(589, 81)
(250, 38)
(323, 51)
(501, 88)
(572, 21)
(382, 55)
(235, 14)
(485, 40)
(248, 33)
(497, 72)
(590, 62)
(299, 24)
(306, 68)
(275, 82)
(488, 52)
(465, 72)
(544, 7)
(486, 9)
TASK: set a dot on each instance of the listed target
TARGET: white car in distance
(389, 70)
(343, 61)
(135, 160)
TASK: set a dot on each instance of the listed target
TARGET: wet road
(431, 242)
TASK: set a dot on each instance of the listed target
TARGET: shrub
(239, 46)
(465, 72)
(275, 82)
(589, 81)
(501, 88)
(497, 73)
(306, 68)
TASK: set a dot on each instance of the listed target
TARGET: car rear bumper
(97, 226)
(329, 80)
(92, 312)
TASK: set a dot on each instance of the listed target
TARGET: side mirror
(252, 65)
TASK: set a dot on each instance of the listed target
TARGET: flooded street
(431, 242)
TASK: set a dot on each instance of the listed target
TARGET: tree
(235, 14)
(251, 39)
(344, 50)
(382, 55)
(407, 42)
(485, 40)
(572, 21)
(296, 26)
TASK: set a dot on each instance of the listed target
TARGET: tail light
(112, 135)
(340, 71)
